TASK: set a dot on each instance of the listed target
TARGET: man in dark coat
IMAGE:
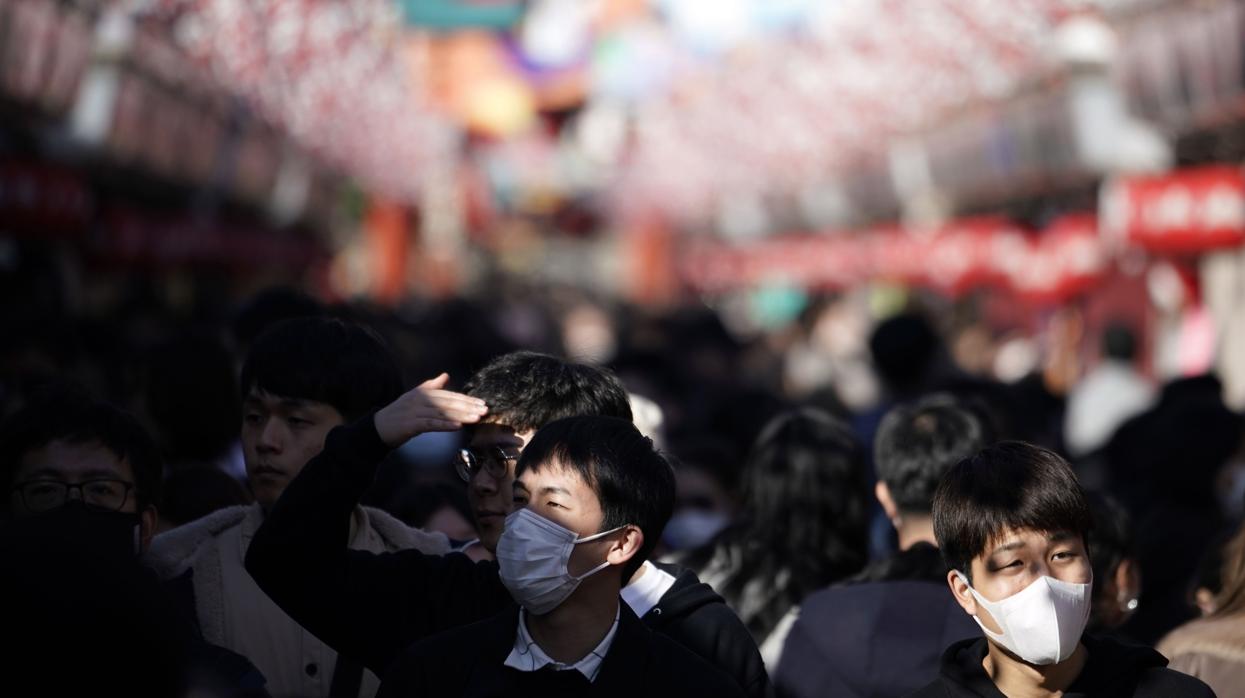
(370, 607)
(592, 496)
(1013, 526)
(881, 634)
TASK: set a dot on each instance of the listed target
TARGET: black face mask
(111, 535)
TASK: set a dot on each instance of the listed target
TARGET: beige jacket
(232, 610)
(1213, 650)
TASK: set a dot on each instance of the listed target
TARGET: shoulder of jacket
(174, 551)
(396, 535)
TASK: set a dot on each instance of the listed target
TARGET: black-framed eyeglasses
(495, 461)
(104, 494)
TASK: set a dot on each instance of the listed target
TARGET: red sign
(1185, 211)
(1067, 259)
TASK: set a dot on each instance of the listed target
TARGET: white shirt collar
(528, 656)
(645, 593)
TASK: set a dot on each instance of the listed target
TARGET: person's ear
(1127, 583)
(626, 546)
(883, 493)
(959, 589)
(146, 527)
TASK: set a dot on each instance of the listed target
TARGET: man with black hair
(370, 607)
(85, 466)
(896, 608)
(301, 378)
(81, 479)
(1013, 526)
(593, 497)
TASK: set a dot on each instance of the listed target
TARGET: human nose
(271, 436)
(483, 482)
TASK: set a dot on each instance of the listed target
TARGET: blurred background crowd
(739, 206)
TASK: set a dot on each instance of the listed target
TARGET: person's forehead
(1019, 538)
(498, 434)
(554, 475)
(73, 460)
(274, 402)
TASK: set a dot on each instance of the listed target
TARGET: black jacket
(469, 662)
(696, 616)
(369, 607)
(880, 638)
(1114, 670)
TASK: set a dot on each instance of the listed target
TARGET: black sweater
(369, 607)
(470, 662)
(1113, 670)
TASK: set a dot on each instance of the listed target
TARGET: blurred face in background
(702, 508)
(279, 435)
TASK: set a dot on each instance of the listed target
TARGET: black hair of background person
(1008, 485)
(192, 397)
(1162, 465)
(804, 503)
(906, 350)
(917, 443)
(527, 390)
(194, 492)
(268, 307)
(634, 483)
(65, 412)
(339, 363)
(1112, 543)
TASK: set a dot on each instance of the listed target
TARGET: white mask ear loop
(981, 602)
(593, 537)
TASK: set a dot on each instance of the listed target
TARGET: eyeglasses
(104, 494)
(495, 461)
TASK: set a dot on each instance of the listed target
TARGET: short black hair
(633, 481)
(917, 444)
(1119, 342)
(325, 360)
(1113, 544)
(1009, 485)
(904, 349)
(527, 390)
(71, 415)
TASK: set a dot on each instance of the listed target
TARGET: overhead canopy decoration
(811, 99)
(333, 74)
(683, 105)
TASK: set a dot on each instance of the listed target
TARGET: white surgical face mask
(533, 553)
(1042, 623)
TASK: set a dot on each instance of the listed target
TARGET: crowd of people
(289, 498)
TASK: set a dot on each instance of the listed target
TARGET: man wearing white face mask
(592, 496)
(1013, 525)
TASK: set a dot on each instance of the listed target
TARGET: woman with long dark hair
(802, 524)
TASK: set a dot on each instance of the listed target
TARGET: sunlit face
(279, 436)
(491, 498)
(1016, 559)
(561, 495)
